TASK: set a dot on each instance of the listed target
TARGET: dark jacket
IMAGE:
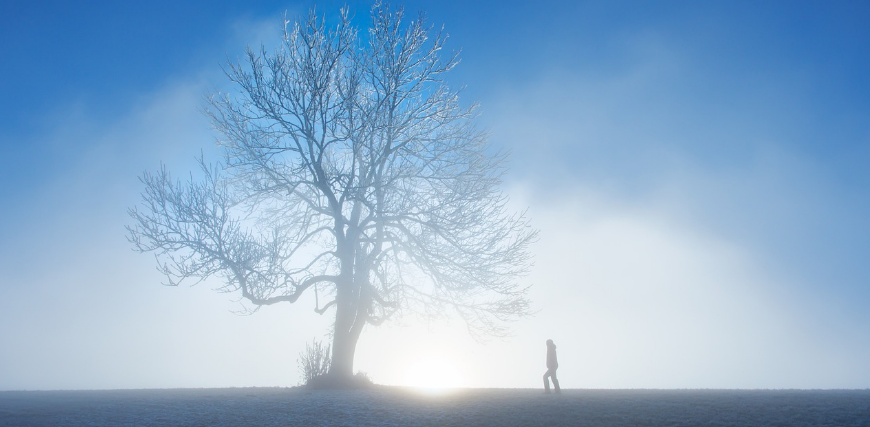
(552, 363)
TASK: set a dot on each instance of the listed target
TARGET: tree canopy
(351, 170)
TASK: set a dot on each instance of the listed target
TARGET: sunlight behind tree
(433, 374)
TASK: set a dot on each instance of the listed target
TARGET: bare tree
(351, 170)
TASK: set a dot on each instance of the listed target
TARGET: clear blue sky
(698, 171)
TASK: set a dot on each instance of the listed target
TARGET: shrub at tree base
(314, 361)
(327, 381)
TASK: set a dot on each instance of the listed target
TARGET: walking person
(552, 365)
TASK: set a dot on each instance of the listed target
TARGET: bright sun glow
(433, 375)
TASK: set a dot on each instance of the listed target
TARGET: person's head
(550, 343)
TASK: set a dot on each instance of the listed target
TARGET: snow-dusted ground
(391, 406)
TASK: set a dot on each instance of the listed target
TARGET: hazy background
(698, 171)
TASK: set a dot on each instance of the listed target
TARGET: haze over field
(697, 171)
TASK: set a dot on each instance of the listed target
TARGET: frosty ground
(394, 406)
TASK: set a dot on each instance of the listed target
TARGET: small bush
(362, 379)
(358, 381)
(314, 361)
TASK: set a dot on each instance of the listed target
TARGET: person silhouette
(552, 365)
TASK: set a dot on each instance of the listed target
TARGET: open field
(393, 406)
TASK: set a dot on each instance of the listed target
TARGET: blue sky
(697, 170)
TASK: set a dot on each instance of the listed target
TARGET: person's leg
(556, 382)
(547, 381)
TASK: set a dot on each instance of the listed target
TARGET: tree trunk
(345, 335)
(343, 349)
(351, 312)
